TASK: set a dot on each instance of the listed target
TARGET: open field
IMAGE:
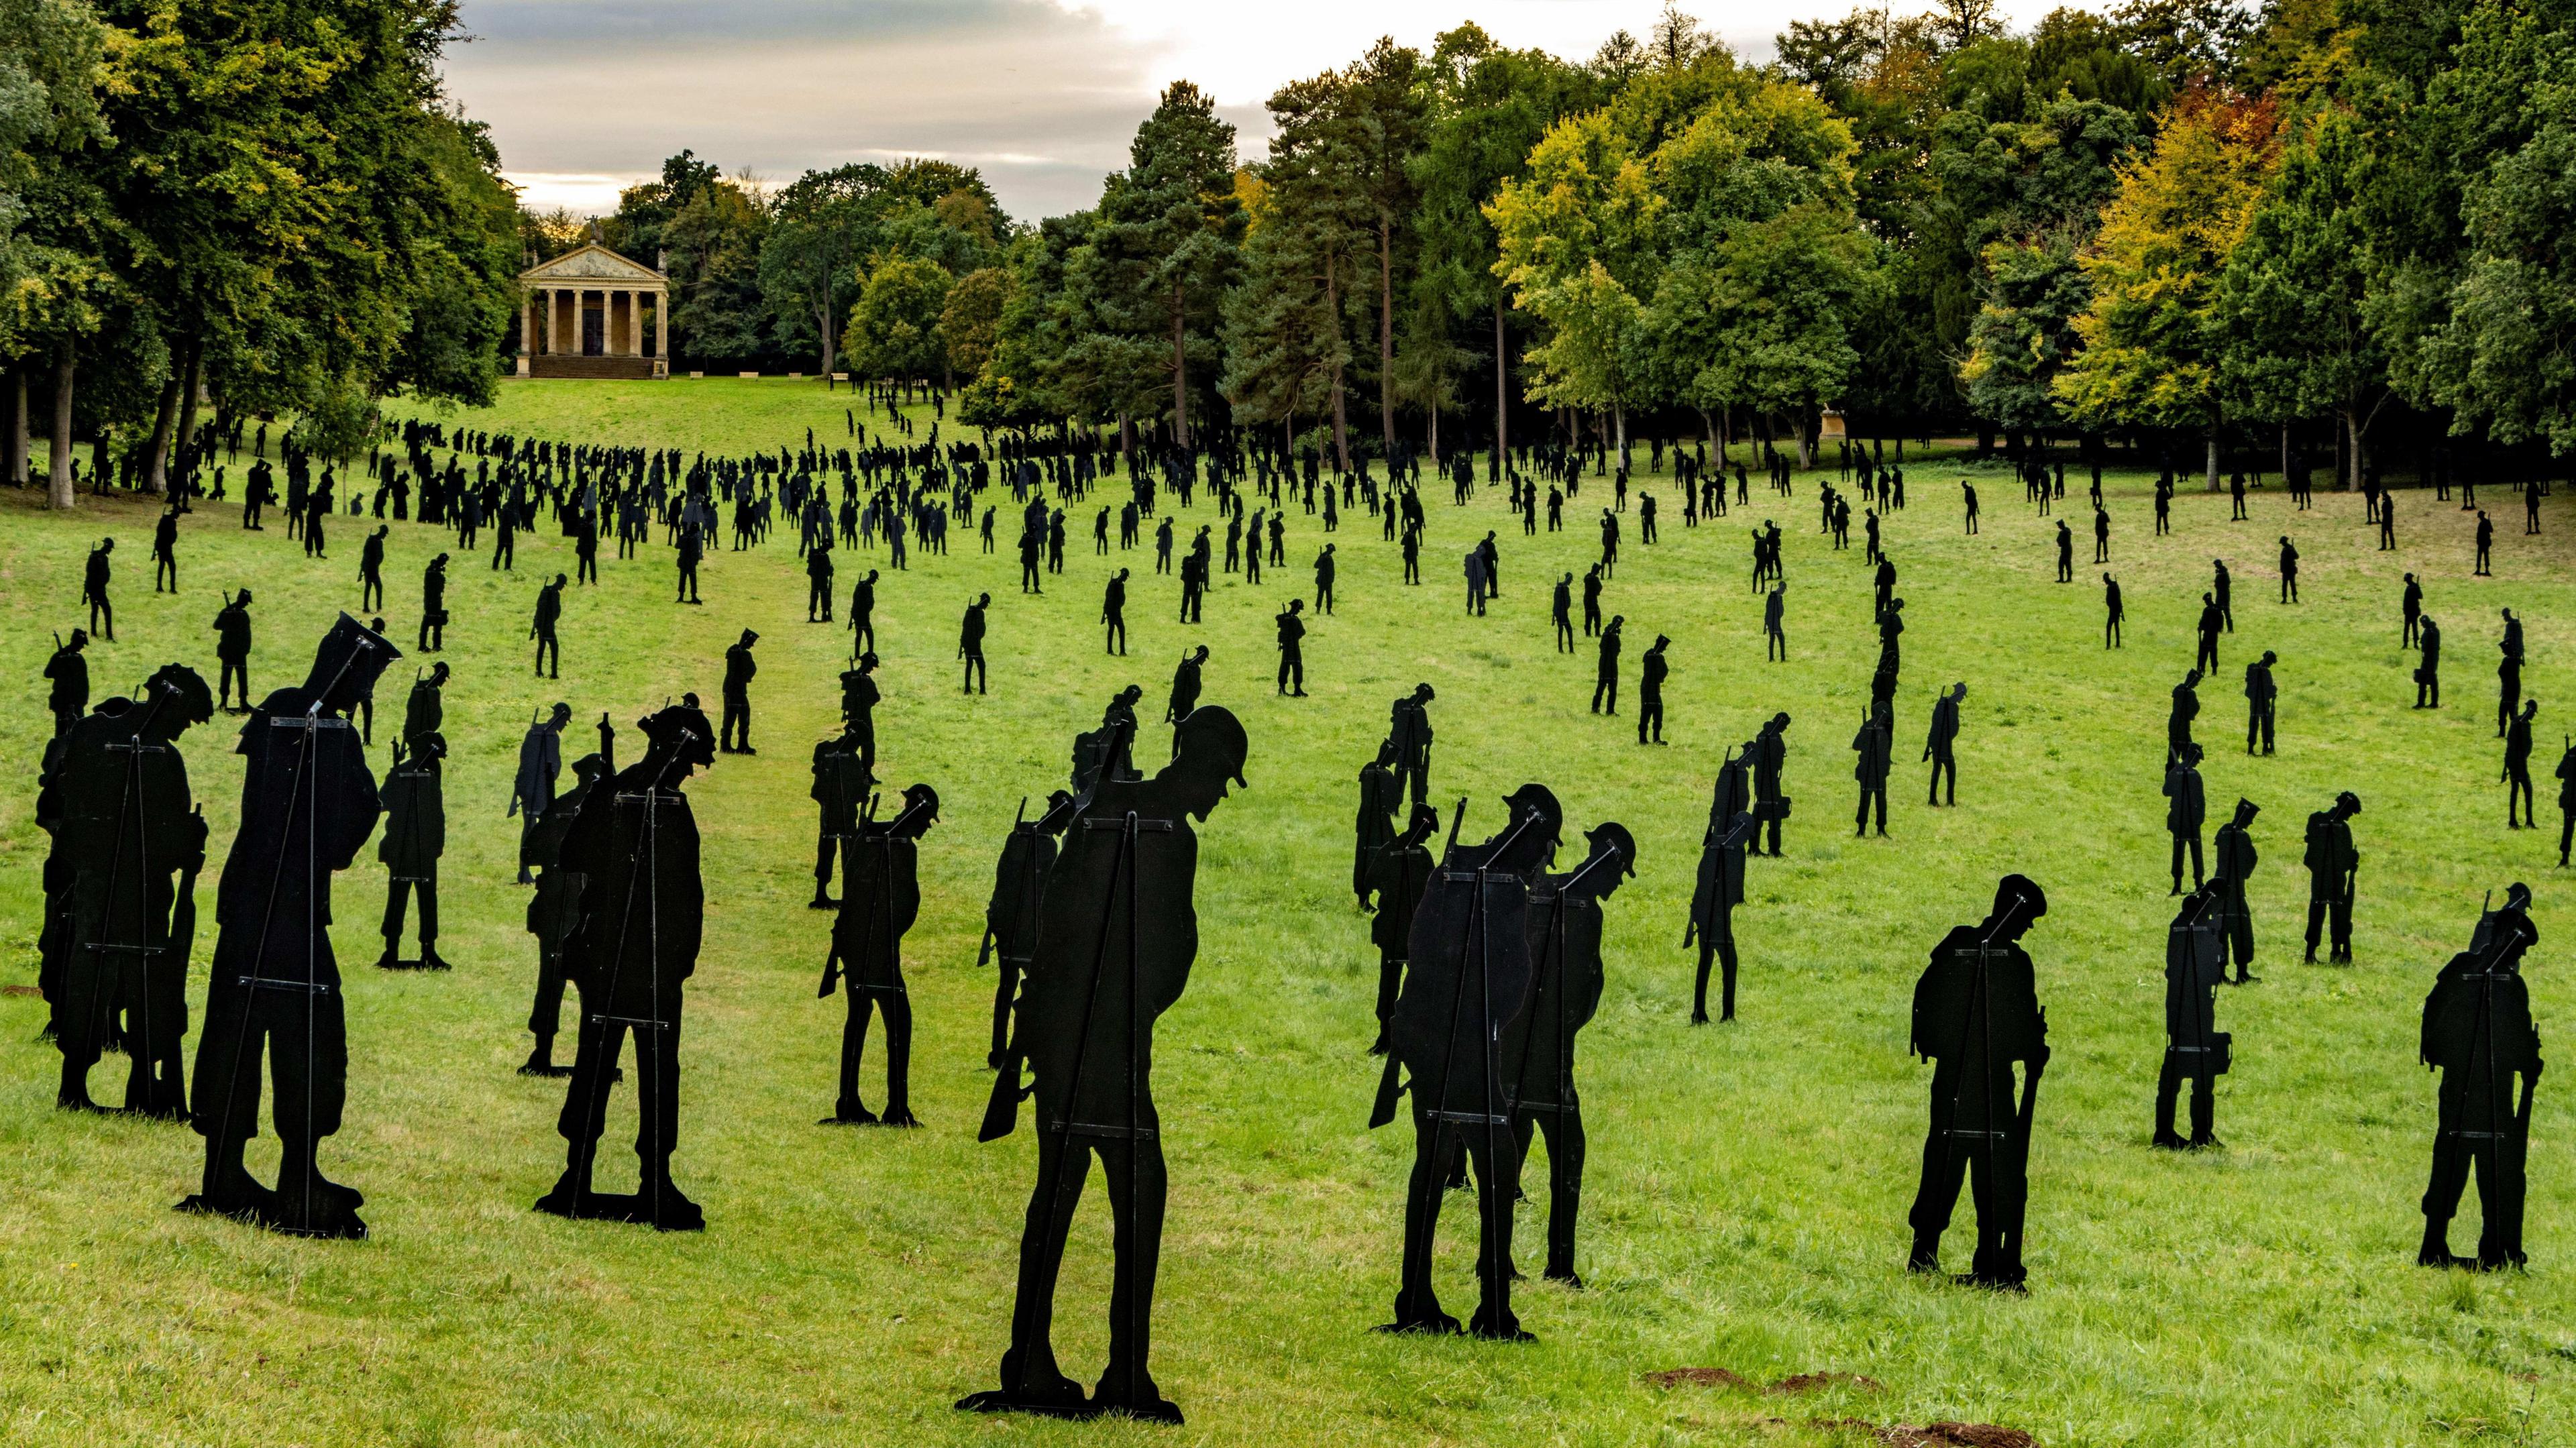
(1747, 1185)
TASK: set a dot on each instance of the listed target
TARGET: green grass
(1748, 1184)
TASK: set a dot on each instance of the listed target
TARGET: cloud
(1043, 95)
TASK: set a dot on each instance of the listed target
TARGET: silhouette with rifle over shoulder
(1185, 687)
(1409, 725)
(554, 911)
(880, 898)
(842, 782)
(134, 841)
(2195, 1049)
(308, 803)
(532, 788)
(1564, 929)
(67, 680)
(1467, 980)
(94, 580)
(1117, 934)
(232, 654)
(2186, 810)
(415, 837)
(1397, 872)
(1720, 885)
(1381, 795)
(1977, 1015)
(863, 615)
(1108, 751)
(1941, 745)
(2478, 1033)
(2334, 868)
(1011, 914)
(634, 843)
(2235, 865)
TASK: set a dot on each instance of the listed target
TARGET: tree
(1169, 243)
(713, 244)
(970, 321)
(894, 328)
(2024, 334)
(54, 223)
(824, 222)
(1386, 106)
(1287, 343)
(1577, 240)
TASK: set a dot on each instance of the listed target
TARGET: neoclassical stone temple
(583, 316)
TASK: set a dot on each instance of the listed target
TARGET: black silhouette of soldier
(532, 788)
(554, 911)
(94, 581)
(1941, 745)
(2184, 713)
(2517, 768)
(2508, 673)
(1564, 931)
(232, 654)
(818, 583)
(1720, 887)
(2235, 865)
(165, 548)
(634, 842)
(2195, 1049)
(2428, 669)
(134, 843)
(2333, 865)
(1977, 1015)
(863, 615)
(1770, 752)
(1185, 685)
(2186, 810)
(1561, 610)
(2065, 552)
(859, 698)
(2566, 802)
(1605, 678)
(1011, 915)
(1113, 612)
(2289, 571)
(67, 679)
(425, 707)
(1467, 981)
(880, 898)
(2478, 1033)
(1292, 658)
(740, 667)
(2212, 622)
(415, 837)
(1409, 725)
(1775, 631)
(1117, 934)
(1870, 767)
(2261, 697)
(2410, 608)
(1381, 795)
(970, 643)
(1652, 671)
(1397, 872)
(2112, 612)
(1108, 751)
(308, 803)
(433, 606)
(842, 780)
(549, 661)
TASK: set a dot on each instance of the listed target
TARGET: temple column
(527, 327)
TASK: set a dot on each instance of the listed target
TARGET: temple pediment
(592, 262)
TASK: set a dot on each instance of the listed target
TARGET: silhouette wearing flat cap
(415, 837)
(134, 843)
(308, 803)
(1467, 981)
(2195, 1049)
(1117, 933)
(2261, 695)
(1941, 745)
(634, 843)
(842, 781)
(2478, 1033)
(2235, 865)
(1381, 795)
(1397, 872)
(1011, 914)
(740, 667)
(1719, 888)
(2186, 811)
(880, 898)
(1564, 931)
(1977, 1015)
(554, 911)
(2333, 867)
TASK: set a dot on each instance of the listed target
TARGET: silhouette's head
(1659, 645)
(1199, 655)
(182, 700)
(589, 769)
(2347, 804)
(1425, 820)
(2410, 578)
(1538, 844)
(983, 600)
(561, 715)
(347, 664)
(1122, 575)
(79, 641)
(749, 638)
(1959, 690)
(920, 811)
(242, 598)
(2270, 658)
(2530, 708)
(438, 674)
(108, 545)
(439, 562)
(2246, 810)
(1208, 749)
(2019, 903)
(2190, 677)
(1611, 842)
(678, 740)
(560, 580)
(1386, 751)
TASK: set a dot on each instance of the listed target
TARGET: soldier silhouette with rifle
(1467, 981)
(2478, 1033)
(1720, 886)
(2334, 867)
(1011, 915)
(880, 899)
(1117, 933)
(1977, 1015)
(554, 911)
(2195, 1049)
(1397, 872)
(1564, 927)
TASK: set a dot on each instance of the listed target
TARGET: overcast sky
(586, 96)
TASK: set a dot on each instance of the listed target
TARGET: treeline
(269, 205)
(2334, 224)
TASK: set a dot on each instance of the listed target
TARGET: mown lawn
(1747, 1186)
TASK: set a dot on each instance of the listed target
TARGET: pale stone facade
(583, 314)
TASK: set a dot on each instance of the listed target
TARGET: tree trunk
(1127, 441)
(1341, 423)
(1619, 425)
(156, 475)
(1502, 398)
(2213, 460)
(2359, 453)
(58, 482)
(191, 377)
(1807, 428)
(1434, 438)
(2285, 454)
(823, 324)
(1180, 377)
(1386, 332)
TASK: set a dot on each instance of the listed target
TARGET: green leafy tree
(894, 328)
(820, 227)
(1167, 247)
(1288, 346)
(55, 224)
